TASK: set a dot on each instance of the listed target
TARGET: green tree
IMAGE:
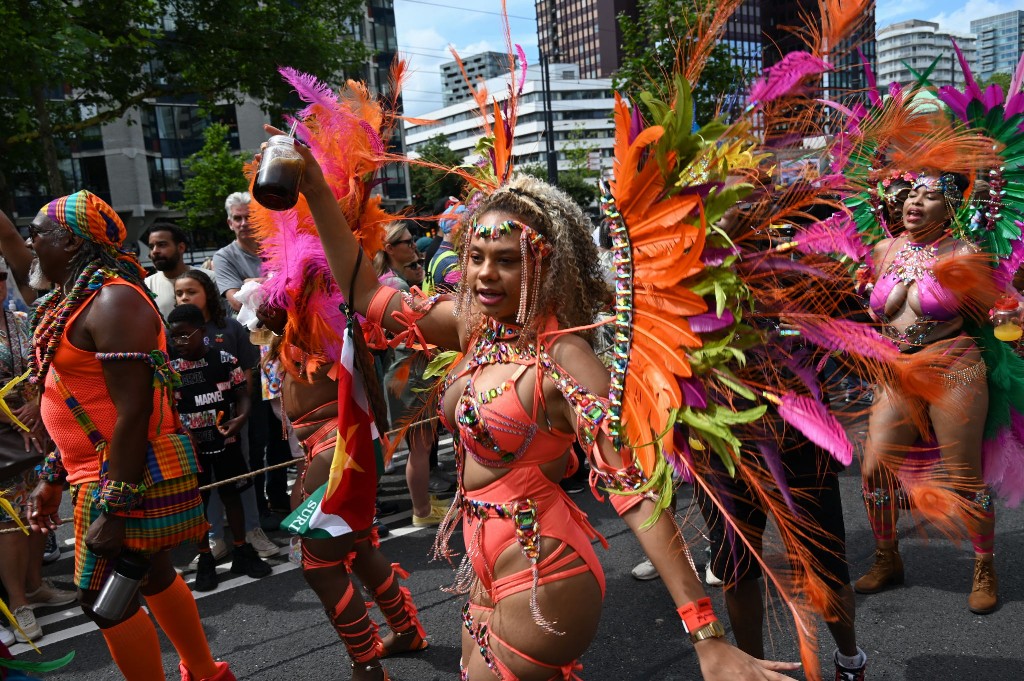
(579, 180)
(573, 183)
(1003, 80)
(651, 42)
(213, 172)
(71, 66)
(429, 185)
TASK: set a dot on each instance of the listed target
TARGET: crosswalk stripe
(235, 582)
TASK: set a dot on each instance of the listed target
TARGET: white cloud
(959, 20)
(471, 26)
(891, 11)
(952, 15)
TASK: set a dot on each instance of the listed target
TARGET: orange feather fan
(666, 236)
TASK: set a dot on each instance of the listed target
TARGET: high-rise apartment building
(1000, 43)
(583, 32)
(744, 35)
(848, 74)
(579, 111)
(378, 33)
(915, 44)
(586, 33)
(454, 87)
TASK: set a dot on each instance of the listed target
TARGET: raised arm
(438, 325)
(18, 256)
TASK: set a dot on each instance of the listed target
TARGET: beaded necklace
(913, 262)
(52, 313)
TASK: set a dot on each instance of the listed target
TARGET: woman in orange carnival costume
(526, 387)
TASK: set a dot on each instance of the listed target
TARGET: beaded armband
(163, 373)
(52, 469)
(115, 496)
(591, 410)
(629, 479)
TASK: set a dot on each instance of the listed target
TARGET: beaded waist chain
(523, 513)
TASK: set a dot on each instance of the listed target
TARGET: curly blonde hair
(573, 288)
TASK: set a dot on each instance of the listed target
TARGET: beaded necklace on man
(53, 312)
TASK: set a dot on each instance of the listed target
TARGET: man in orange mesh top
(99, 347)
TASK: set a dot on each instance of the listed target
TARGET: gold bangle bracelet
(712, 629)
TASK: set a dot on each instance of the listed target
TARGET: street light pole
(549, 124)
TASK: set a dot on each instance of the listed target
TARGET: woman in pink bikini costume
(922, 316)
(524, 389)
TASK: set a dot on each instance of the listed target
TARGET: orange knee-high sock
(175, 611)
(135, 648)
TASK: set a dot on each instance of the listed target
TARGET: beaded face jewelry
(945, 183)
(531, 242)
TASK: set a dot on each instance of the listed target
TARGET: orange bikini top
(495, 429)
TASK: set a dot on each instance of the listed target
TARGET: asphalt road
(275, 630)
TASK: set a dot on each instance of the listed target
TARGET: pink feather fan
(814, 420)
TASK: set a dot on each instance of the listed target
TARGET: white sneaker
(219, 548)
(709, 577)
(6, 636)
(645, 571)
(49, 595)
(259, 540)
(30, 630)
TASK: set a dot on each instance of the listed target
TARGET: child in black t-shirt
(213, 402)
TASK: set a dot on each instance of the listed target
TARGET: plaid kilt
(171, 514)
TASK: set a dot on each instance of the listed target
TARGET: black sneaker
(245, 561)
(382, 529)
(51, 553)
(206, 573)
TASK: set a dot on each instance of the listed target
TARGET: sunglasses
(410, 241)
(34, 232)
(181, 339)
(3, 276)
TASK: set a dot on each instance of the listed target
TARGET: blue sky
(427, 27)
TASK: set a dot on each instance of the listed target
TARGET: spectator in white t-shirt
(167, 246)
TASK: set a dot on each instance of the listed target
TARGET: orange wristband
(697, 614)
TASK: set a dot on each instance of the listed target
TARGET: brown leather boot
(984, 593)
(887, 571)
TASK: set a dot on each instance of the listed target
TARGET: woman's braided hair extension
(573, 288)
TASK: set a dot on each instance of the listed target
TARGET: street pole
(549, 124)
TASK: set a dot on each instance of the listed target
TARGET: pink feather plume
(836, 234)
(812, 419)
(783, 78)
(839, 335)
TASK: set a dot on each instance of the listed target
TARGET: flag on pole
(345, 503)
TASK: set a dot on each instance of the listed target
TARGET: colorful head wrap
(452, 216)
(89, 217)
